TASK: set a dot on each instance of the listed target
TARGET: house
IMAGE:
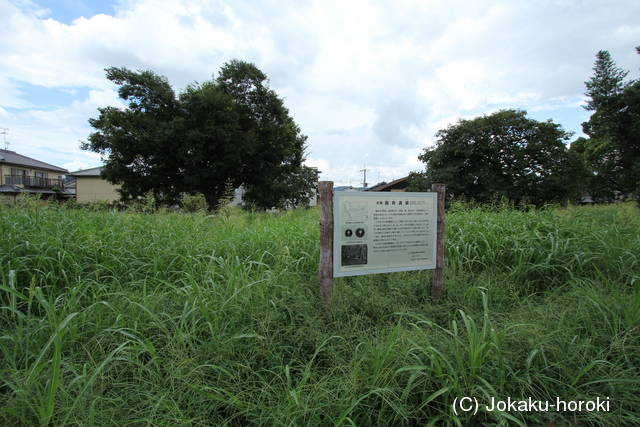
(91, 187)
(23, 175)
(397, 185)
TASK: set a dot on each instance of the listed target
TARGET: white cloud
(55, 135)
(321, 165)
(10, 96)
(77, 166)
(368, 82)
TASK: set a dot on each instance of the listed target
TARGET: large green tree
(292, 189)
(504, 154)
(612, 151)
(275, 148)
(233, 130)
(136, 142)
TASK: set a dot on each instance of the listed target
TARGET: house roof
(348, 188)
(399, 183)
(14, 189)
(14, 158)
(88, 172)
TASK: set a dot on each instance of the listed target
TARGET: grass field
(113, 318)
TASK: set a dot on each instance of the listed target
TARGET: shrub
(194, 203)
(29, 201)
(146, 204)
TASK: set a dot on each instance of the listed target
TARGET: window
(41, 179)
(18, 172)
(18, 176)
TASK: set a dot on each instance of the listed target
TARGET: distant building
(238, 197)
(91, 187)
(397, 185)
(348, 188)
(23, 175)
(586, 200)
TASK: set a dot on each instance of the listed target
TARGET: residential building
(400, 184)
(24, 175)
(91, 187)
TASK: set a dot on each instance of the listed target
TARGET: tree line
(506, 154)
(234, 130)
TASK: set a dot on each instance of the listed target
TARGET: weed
(120, 318)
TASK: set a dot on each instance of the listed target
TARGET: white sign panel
(383, 232)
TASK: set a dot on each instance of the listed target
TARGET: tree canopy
(501, 154)
(612, 151)
(505, 154)
(230, 130)
(607, 81)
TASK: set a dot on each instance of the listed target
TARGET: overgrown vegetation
(194, 203)
(112, 318)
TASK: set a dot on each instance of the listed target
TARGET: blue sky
(45, 98)
(65, 11)
(368, 82)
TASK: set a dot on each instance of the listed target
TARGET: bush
(146, 204)
(29, 201)
(227, 197)
(194, 203)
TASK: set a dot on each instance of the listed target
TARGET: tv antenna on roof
(4, 132)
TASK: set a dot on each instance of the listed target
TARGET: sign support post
(438, 273)
(380, 233)
(325, 269)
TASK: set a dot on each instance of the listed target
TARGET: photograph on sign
(383, 232)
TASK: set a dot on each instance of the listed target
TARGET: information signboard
(383, 232)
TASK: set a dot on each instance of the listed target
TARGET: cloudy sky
(368, 82)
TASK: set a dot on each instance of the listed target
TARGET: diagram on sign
(355, 212)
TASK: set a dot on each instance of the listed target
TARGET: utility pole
(364, 177)
(4, 132)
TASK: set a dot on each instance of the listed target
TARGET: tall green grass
(111, 318)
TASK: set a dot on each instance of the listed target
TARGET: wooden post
(325, 268)
(438, 274)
